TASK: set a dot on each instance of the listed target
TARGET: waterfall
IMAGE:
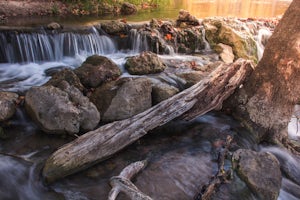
(206, 44)
(261, 39)
(44, 46)
(138, 41)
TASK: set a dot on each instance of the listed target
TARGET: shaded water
(182, 157)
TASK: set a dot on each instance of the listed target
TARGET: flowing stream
(182, 155)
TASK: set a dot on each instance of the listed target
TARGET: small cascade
(261, 39)
(206, 44)
(43, 46)
(138, 41)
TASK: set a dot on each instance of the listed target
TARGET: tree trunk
(265, 103)
(100, 144)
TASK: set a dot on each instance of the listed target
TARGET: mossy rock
(242, 42)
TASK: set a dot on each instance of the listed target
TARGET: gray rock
(7, 105)
(260, 171)
(97, 70)
(58, 111)
(65, 75)
(123, 98)
(162, 91)
(145, 63)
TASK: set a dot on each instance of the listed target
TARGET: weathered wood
(122, 183)
(98, 145)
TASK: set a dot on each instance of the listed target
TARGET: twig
(122, 182)
(222, 176)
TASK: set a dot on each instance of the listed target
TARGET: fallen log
(100, 144)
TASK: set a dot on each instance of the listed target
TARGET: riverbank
(35, 8)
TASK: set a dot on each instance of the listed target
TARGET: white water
(42, 46)
(262, 36)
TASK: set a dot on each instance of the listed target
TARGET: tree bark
(98, 145)
(265, 103)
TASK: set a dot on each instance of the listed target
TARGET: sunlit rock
(225, 52)
(128, 9)
(233, 34)
(187, 18)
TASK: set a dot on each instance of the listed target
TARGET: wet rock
(97, 70)
(230, 33)
(189, 40)
(186, 18)
(115, 27)
(123, 98)
(7, 105)
(162, 91)
(193, 77)
(260, 171)
(61, 110)
(54, 26)
(128, 9)
(145, 63)
(226, 53)
(65, 75)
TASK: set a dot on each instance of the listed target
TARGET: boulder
(97, 70)
(7, 105)
(145, 63)
(225, 52)
(115, 27)
(186, 18)
(128, 9)
(260, 171)
(123, 98)
(230, 33)
(65, 75)
(162, 91)
(61, 111)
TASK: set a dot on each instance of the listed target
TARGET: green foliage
(55, 9)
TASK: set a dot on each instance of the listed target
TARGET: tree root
(221, 176)
(122, 182)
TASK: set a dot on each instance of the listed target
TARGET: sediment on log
(98, 145)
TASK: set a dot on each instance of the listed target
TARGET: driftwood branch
(122, 183)
(98, 145)
(221, 176)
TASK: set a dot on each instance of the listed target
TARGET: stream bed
(182, 156)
